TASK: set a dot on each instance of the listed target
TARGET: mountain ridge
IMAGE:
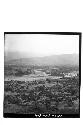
(63, 59)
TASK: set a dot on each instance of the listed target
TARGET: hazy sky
(42, 44)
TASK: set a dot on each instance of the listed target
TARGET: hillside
(58, 60)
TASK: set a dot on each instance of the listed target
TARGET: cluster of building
(71, 74)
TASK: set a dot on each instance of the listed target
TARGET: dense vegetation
(42, 96)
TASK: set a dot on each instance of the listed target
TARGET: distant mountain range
(58, 60)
